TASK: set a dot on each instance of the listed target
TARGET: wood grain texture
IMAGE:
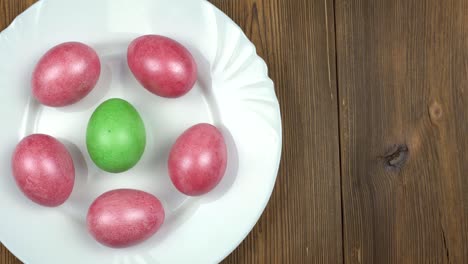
(6, 257)
(387, 109)
(302, 222)
(402, 71)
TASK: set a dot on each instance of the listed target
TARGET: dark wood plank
(9, 9)
(6, 257)
(403, 87)
(302, 223)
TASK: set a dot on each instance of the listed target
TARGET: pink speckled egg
(43, 169)
(197, 160)
(124, 217)
(65, 74)
(162, 65)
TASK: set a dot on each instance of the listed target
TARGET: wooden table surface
(374, 101)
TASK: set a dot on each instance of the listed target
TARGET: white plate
(233, 92)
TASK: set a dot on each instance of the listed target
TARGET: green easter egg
(115, 136)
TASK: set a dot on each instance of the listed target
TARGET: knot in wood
(435, 111)
(395, 158)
